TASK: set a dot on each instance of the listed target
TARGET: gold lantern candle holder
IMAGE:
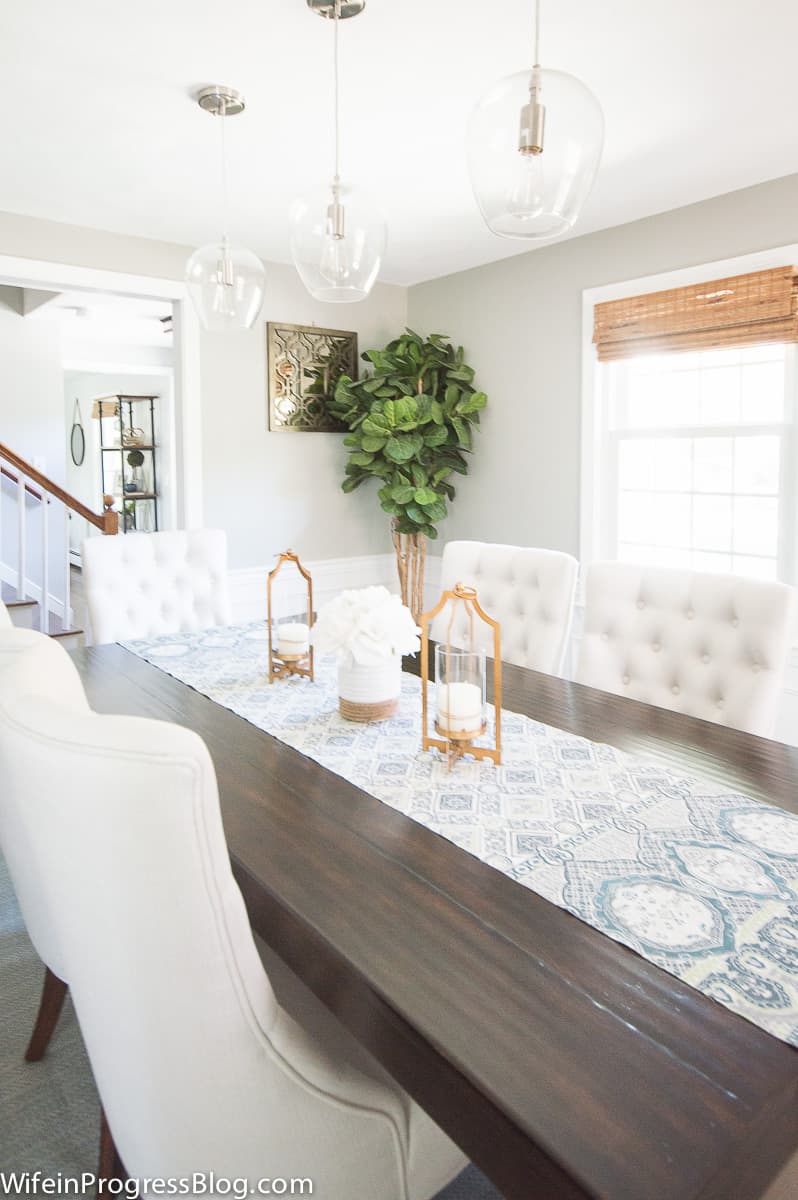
(460, 679)
(290, 650)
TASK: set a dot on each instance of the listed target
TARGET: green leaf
(403, 493)
(436, 511)
(430, 531)
(351, 440)
(463, 374)
(418, 474)
(463, 432)
(352, 482)
(416, 514)
(441, 473)
(473, 403)
(389, 413)
(389, 507)
(435, 436)
(451, 397)
(436, 410)
(425, 495)
(361, 459)
(376, 426)
(372, 444)
(402, 447)
(372, 385)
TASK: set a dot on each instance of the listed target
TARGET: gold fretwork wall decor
(304, 363)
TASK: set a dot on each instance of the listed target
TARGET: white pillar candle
(460, 707)
(293, 637)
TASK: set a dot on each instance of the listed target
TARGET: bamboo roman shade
(744, 310)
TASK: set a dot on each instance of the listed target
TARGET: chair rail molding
(330, 576)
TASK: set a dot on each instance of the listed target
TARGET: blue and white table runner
(701, 881)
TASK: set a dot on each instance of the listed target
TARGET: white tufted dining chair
(711, 646)
(32, 664)
(530, 592)
(140, 585)
(119, 816)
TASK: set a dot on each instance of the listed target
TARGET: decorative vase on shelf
(369, 692)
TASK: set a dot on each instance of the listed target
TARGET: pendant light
(534, 145)
(226, 282)
(337, 238)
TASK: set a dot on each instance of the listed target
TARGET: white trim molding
(330, 576)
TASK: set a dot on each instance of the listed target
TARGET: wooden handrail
(106, 522)
(4, 471)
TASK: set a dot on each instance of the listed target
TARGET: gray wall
(521, 323)
(268, 491)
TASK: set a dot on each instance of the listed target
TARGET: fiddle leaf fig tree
(411, 424)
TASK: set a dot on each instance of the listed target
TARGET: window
(695, 460)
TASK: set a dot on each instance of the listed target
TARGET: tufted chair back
(145, 584)
(711, 646)
(32, 664)
(5, 617)
(119, 818)
(531, 592)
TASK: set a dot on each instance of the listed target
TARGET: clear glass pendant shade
(534, 193)
(227, 284)
(337, 244)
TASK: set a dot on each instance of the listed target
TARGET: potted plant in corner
(410, 426)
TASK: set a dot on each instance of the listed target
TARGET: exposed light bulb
(334, 265)
(527, 196)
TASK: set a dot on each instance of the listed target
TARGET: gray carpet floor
(49, 1111)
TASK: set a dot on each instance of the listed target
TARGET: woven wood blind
(744, 310)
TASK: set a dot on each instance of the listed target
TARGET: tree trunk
(411, 551)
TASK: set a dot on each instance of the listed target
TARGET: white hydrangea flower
(367, 625)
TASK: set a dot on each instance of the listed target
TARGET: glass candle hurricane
(460, 693)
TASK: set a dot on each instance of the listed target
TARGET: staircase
(34, 510)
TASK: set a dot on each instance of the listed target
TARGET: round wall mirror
(77, 439)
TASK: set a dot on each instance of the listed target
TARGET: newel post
(110, 518)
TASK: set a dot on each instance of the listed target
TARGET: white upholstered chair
(530, 592)
(5, 616)
(711, 646)
(32, 664)
(119, 817)
(140, 585)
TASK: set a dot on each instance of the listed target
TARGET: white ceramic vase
(369, 693)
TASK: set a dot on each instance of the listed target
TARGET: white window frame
(599, 443)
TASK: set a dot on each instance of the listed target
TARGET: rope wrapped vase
(369, 693)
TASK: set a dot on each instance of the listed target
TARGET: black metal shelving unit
(135, 490)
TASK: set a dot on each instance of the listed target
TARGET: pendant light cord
(222, 117)
(537, 33)
(336, 12)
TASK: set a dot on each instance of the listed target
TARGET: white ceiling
(98, 127)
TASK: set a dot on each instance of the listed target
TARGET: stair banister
(107, 521)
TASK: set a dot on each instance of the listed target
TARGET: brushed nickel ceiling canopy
(221, 101)
(346, 8)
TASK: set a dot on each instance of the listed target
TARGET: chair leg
(50, 1005)
(110, 1165)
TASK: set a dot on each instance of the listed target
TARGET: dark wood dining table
(563, 1064)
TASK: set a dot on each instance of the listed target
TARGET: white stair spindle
(44, 505)
(67, 576)
(21, 536)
